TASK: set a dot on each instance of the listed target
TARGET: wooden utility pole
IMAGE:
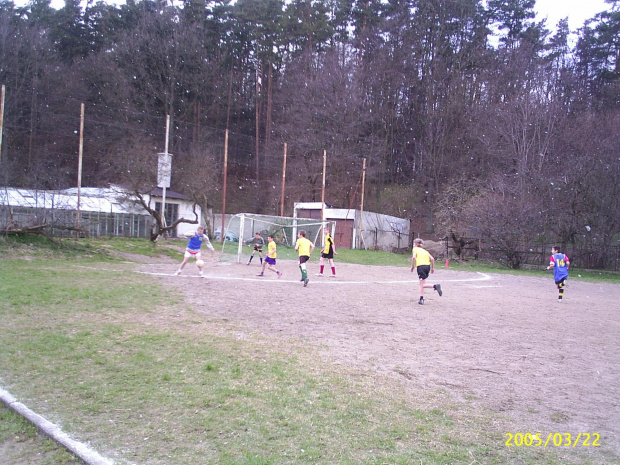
(283, 182)
(359, 234)
(223, 233)
(323, 188)
(1, 119)
(79, 180)
(257, 127)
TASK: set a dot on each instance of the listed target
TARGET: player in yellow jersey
(270, 259)
(328, 252)
(304, 247)
(425, 264)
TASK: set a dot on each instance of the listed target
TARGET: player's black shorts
(258, 248)
(560, 281)
(424, 271)
(303, 259)
(328, 255)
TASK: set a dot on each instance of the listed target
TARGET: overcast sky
(577, 11)
(554, 10)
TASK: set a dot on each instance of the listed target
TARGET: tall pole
(163, 197)
(359, 234)
(223, 234)
(323, 188)
(1, 118)
(283, 182)
(257, 128)
(79, 180)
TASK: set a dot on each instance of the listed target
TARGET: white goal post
(243, 226)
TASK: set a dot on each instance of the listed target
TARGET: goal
(242, 227)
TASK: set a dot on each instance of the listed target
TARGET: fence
(95, 224)
(388, 240)
(537, 255)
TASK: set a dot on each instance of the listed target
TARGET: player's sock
(250, 260)
(333, 271)
(322, 268)
(261, 260)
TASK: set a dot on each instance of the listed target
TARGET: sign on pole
(164, 170)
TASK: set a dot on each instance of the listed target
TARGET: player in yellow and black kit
(304, 247)
(328, 252)
(425, 264)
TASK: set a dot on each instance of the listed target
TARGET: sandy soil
(500, 340)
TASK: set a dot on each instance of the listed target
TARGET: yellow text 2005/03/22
(552, 440)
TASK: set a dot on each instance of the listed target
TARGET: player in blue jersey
(560, 263)
(193, 249)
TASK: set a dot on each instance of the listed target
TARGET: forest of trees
(472, 116)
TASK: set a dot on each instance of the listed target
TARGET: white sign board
(164, 170)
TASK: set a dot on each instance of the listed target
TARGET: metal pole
(223, 235)
(163, 199)
(283, 182)
(80, 152)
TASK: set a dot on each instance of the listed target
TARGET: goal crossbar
(283, 228)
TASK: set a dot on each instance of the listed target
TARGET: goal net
(243, 226)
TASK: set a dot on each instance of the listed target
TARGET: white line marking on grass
(81, 450)
(482, 277)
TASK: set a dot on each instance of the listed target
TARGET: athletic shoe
(437, 287)
(421, 301)
(177, 272)
(260, 274)
(306, 282)
(332, 275)
(201, 273)
(320, 275)
(279, 273)
(560, 301)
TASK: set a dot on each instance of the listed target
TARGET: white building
(109, 211)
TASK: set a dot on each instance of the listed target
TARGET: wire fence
(64, 223)
(585, 256)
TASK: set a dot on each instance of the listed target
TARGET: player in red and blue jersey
(193, 248)
(560, 263)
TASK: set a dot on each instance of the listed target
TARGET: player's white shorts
(192, 253)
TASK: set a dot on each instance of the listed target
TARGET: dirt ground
(495, 339)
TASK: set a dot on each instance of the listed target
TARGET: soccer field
(499, 341)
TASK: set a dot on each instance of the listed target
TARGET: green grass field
(124, 364)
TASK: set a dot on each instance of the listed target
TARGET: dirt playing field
(497, 339)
